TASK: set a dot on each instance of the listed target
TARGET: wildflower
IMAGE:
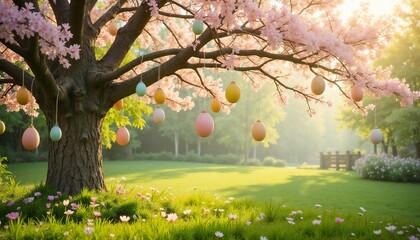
(97, 214)
(74, 206)
(48, 205)
(37, 194)
(316, 222)
(391, 228)
(412, 238)
(9, 204)
(88, 230)
(28, 200)
(263, 238)
(59, 194)
(172, 217)
(291, 222)
(69, 212)
(123, 179)
(187, 212)
(163, 214)
(221, 210)
(233, 216)
(339, 220)
(12, 215)
(353, 234)
(400, 232)
(248, 223)
(90, 222)
(319, 216)
(377, 232)
(124, 218)
(318, 205)
(50, 198)
(66, 203)
(262, 216)
(111, 235)
(66, 234)
(93, 199)
(94, 205)
(112, 179)
(134, 216)
(362, 209)
(218, 234)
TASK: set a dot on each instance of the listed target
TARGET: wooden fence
(339, 161)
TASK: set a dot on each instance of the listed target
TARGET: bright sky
(377, 7)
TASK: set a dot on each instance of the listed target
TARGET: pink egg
(204, 125)
(30, 138)
(123, 136)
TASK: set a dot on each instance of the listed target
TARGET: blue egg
(55, 133)
(141, 89)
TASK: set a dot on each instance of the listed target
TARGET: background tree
(400, 126)
(55, 45)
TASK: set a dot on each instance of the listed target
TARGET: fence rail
(339, 161)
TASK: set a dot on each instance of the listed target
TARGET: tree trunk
(199, 147)
(176, 141)
(75, 161)
(394, 150)
(417, 144)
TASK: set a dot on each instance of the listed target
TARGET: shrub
(388, 168)
(271, 161)
(4, 174)
(207, 158)
(227, 159)
(251, 162)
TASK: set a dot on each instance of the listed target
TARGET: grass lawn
(339, 191)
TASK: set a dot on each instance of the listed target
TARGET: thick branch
(109, 15)
(106, 77)
(61, 9)
(127, 35)
(16, 73)
(76, 20)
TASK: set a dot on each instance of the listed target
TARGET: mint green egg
(198, 27)
(55, 133)
(141, 89)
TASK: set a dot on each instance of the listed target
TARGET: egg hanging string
(32, 87)
(56, 106)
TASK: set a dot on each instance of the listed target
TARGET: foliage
(154, 214)
(386, 168)
(272, 161)
(135, 110)
(290, 186)
(4, 174)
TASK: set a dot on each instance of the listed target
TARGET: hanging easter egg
(30, 138)
(318, 85)
(233, 93)
(2, 127)
(159, 96)
(141, 88)
(357, 94)
(119, 105)
(158, 115)
(376, 136)
(204, 125)
(23, 96)
(197, 27)
(216, 105)
(122, 136)
(55, 133)
(113, 28)
(258, 131)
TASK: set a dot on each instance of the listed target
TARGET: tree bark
(417, 144)
(75, 161)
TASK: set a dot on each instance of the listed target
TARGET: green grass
(342, 192)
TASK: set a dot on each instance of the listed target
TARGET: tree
(399, 126)
(55, 45)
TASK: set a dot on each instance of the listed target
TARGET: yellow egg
(119, 105)
(216, 105)
(233, 93)
(318, 85)
(159, 96)
(2, 127)
(23, 96)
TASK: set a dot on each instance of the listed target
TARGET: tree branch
(61, 9)
(127, 35)
(109, 15)
(77, 16)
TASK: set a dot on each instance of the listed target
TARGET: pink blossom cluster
(27, 23)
